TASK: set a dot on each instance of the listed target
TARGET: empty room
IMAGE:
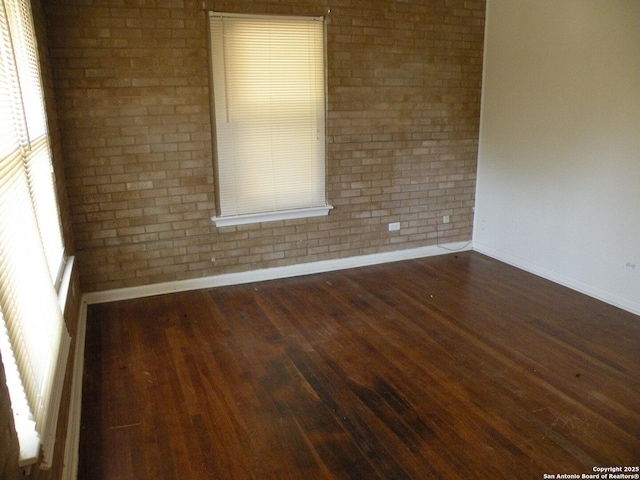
(319, 239)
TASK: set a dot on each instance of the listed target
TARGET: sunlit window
(269, 104)
(34, 342)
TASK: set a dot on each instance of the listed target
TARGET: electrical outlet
(631, 266)
(445, 219)
(394, 227)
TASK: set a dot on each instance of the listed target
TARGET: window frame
(223, 219)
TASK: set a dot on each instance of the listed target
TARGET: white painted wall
(558, 190)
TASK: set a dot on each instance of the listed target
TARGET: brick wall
(132, 86)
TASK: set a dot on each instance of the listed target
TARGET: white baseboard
(590, 290)
(72, 444)
(273, 273)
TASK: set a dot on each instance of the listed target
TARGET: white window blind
(269, 103)
(34, 342)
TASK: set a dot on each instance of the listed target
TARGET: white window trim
(271, 216)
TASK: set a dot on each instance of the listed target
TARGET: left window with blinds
(34, 342)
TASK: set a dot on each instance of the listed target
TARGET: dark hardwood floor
(455, 366)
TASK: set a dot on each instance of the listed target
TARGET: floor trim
(589, 290)
(273, 273)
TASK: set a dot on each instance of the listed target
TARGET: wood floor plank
(451, 367)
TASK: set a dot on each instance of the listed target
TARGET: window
(269, 108)
(34, 342)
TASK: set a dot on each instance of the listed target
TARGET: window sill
(271, 216)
